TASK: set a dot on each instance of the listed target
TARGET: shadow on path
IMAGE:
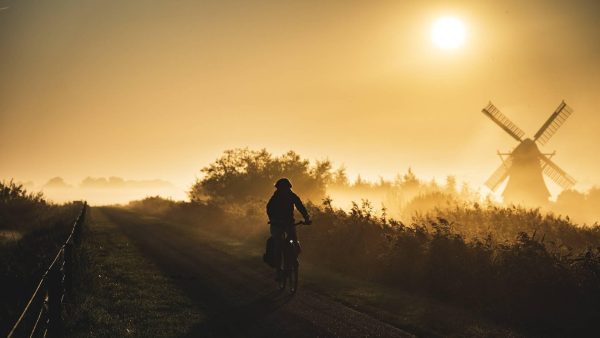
(235, 320)
(239, 297)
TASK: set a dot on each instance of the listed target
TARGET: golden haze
(147, 90)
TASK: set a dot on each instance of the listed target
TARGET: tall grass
(522, 279)
(474, 220)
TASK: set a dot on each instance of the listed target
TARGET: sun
(448, 33)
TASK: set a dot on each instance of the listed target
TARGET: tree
(450, 184)
(241, 175)
(340, 178)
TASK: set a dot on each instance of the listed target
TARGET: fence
(42, 314)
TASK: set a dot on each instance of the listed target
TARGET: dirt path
(238, 297)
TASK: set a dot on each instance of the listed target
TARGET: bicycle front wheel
(282, 279)
(294, 280)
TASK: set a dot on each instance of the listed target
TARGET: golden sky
(158, 89)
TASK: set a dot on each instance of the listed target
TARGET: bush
(20, 210)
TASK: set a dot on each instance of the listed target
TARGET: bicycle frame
(289, 263)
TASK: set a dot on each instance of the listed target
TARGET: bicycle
(288, 270)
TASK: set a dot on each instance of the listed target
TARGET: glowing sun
(448, 33)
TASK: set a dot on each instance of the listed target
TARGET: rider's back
(280, 207)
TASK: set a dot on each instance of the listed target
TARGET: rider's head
(283, 184)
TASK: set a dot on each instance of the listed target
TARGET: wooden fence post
(54, 299)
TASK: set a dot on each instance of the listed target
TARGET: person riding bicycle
(280, 210)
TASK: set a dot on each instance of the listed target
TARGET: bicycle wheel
(293, 275)
(282, 279)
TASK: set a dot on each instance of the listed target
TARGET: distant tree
(11, 192)
(340, 178)
(241, 175)
(56, 182)
(571, 202)
(409, 181)
(450, 184)
(91, 182)
(116, 181)
(361, 183)
(593, 198)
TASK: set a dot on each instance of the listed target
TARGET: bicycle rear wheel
(293, 275)
(282, 279)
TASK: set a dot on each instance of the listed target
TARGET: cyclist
(280, 210)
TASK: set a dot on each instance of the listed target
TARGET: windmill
(525, 165)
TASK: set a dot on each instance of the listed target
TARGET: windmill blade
(493, 113)
(554, 122)
(555, 173)
(499, 175)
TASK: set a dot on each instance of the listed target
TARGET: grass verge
(120, 293)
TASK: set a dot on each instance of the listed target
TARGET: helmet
(283, 183)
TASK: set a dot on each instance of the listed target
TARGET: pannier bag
(269, 256)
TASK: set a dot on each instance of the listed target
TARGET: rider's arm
(301, 208)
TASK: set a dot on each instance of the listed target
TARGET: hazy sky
(158, 89)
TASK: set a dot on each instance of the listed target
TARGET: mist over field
(104, 191)
(403, 197)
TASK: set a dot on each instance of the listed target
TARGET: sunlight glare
(448, 33)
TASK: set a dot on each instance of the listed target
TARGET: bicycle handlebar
(297, 223)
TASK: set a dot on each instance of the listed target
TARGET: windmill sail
(554, 122)
(555, 173)
(499, 175)
(495, 115)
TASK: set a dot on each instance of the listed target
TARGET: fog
(107, 191)
(158, 90)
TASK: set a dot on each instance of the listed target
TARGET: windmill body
(525, 177)
(526, 164)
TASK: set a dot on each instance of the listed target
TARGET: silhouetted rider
(280, 210)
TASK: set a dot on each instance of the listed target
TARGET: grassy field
(120, 293)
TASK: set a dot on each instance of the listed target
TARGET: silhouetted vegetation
(500, 224)
(243, 175)
(32, 231)
(516, 264)
(402, 197)
(20, 209)
(522, 280)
